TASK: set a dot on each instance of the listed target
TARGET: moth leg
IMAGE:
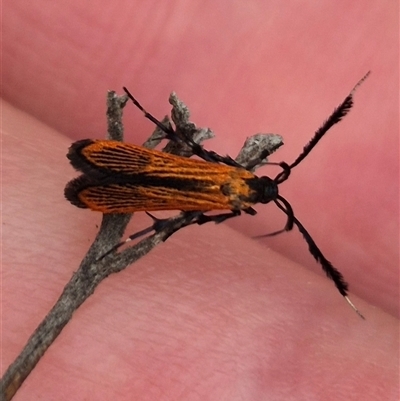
(218, 218)
(250, 211)
(209, 155)
(130, 238)
(191, 217)
(197, 149)
(162, 224)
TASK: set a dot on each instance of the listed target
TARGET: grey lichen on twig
(94, 268)
(256, 145)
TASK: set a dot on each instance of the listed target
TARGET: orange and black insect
(124, 178)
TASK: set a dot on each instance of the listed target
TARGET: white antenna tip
(354, 307)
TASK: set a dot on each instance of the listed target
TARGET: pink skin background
(212, 314)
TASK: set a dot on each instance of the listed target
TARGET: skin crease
(211, 314)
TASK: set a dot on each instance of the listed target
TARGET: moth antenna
(336, 116)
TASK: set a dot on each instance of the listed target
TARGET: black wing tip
(78, 161)
(74, 151)
(73, 188)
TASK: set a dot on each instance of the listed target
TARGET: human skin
(210, 314)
